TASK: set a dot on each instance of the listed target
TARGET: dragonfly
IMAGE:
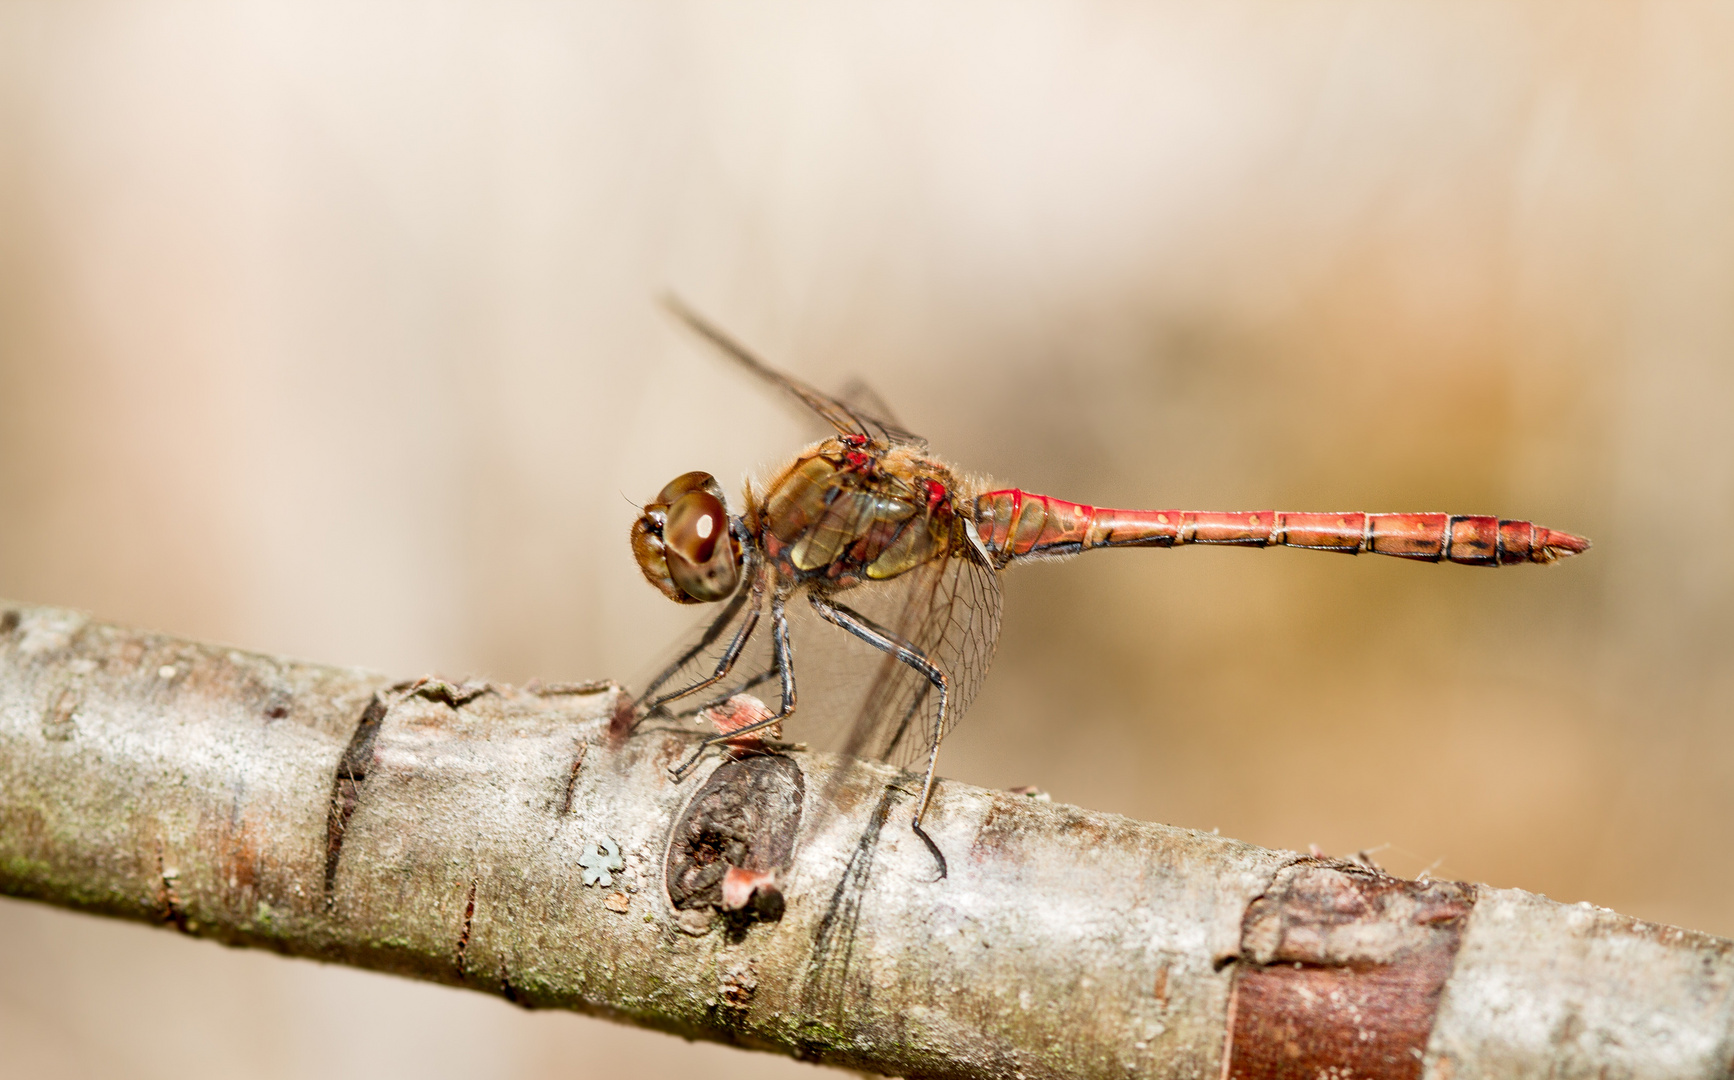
(891, 545)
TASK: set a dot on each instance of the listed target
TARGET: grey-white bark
(447, 833)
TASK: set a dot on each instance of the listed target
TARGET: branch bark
(501, 839)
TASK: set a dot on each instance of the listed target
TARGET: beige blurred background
(327, 329)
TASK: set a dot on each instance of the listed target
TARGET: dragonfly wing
(949, 609)
(861, 399)
(847, 419)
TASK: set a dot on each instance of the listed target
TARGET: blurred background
(328, 330)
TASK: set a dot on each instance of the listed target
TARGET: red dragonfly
(891, 545)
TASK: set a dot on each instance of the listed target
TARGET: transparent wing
(861, 399)
(948, 609)
(847, 419)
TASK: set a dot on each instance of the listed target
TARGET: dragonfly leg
(730, 655)
(885, 641)
(760, 679)
(756, 595)
(780, 642)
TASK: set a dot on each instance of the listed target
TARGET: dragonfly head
(683, 542)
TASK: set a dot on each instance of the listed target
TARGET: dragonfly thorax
(847, 511)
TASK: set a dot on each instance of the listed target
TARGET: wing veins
(846, 420)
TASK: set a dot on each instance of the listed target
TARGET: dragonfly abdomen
(1019, 524)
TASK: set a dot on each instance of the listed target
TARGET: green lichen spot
(19, 869)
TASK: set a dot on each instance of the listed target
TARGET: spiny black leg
(885, 641)
(760, 679)
(729, 656)
(711, 633)
(780, 642)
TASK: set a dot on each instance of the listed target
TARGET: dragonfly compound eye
(683, 544)
(701, 554)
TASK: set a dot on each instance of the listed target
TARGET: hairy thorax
(845, 511)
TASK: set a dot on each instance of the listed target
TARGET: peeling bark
(1343, 969)
(503, 840)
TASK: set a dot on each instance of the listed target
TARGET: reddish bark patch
(572, 778)
(998, 829)
(625, 715)
(738, 985)
(741, 711)
(1341, 972)
(1012, 813)
(239, 855)
(752, 889)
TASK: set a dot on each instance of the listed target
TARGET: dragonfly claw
(933, 849)
(679, 772)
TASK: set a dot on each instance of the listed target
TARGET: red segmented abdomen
(1019, 524)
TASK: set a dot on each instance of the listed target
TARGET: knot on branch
(726, 851)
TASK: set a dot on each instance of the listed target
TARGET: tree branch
(503, 840)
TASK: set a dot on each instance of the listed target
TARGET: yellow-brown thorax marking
(843, 513)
